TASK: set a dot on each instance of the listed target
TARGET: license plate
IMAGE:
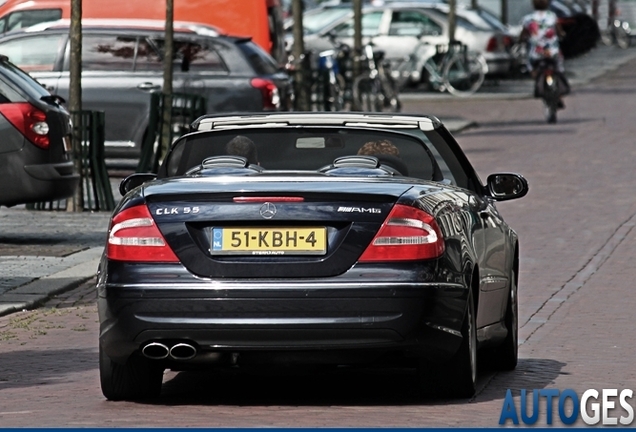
(268, 241)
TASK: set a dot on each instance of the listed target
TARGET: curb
(34, 293)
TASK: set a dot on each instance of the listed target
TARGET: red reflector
(493, 44)
(267, 199)
(407, 234)
(134, 236)
(30, 121)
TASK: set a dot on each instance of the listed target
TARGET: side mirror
(506, 186)
(134, 180)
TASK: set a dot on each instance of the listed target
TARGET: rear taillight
(493, 44)
(271, 96)
(407, 234)
(134, 236)
(30, 121)
(508, 42)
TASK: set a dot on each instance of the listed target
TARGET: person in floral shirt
(541, 31)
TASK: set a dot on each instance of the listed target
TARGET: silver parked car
(122, 63)
(398, 28)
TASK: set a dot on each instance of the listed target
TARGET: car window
(108, 52)
(194, 56)
(22, 19)
(34, 53)
(262, 62)
(7, 94)
(370, 25)
(316, 21)
(413, 23)
(20, 80)
(147, 57)
(308, 148)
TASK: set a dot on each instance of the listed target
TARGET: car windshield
(309, 149)
(314, 22)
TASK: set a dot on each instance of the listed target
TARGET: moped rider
(541, 31)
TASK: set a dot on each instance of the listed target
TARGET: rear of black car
(274, 84)
(35, 153)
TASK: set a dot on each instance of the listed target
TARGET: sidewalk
(43, 253)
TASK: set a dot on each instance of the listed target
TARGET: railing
(185, 109)
(97, 193)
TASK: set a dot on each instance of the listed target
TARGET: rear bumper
(334, 322)
(42, 182)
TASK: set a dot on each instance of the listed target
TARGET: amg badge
(359, 210)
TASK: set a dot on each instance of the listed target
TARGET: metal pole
(300, 73)
(452, 19)
(76, 203)
(474, 4)
(357, 37)
(167, 81)
(504, 11)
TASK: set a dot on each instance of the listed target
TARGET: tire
(391, 100)
(367, 95)
(550, 111)
(505, 356)
(607, 37)
(457, 378)
(463, 78)
(137, 379)
(333, 100)
(623, 39)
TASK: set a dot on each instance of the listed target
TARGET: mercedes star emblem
(268, 210)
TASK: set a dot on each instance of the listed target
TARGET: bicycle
(375, 89)
(449, 68)
(326, 91)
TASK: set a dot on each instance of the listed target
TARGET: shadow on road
(35, 368)
(337, 386)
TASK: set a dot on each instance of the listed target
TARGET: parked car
(357, 239)
(122, 62)
(397, 28)
(35, 146)
(259, 19)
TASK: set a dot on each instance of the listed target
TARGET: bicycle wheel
(464, 74)
(390, 95)
(367, 95)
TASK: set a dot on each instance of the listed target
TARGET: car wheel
(505, 356)
(136, 379)
(458, 377)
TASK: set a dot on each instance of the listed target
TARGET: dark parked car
(315, 255)
(35, 151)
(122, 63)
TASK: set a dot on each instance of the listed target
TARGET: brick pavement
(576, 229)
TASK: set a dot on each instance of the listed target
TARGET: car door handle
(148, 86)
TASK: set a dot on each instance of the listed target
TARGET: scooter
(549, 86)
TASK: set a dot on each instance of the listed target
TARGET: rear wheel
(464, 74)
(623, 38)
(505, 356)
(136, 379)
(550, 111)
(367, 94)
(458, 377)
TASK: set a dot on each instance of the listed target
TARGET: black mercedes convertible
(310, 239)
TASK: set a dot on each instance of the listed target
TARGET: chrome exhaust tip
(155, 351)
(183, 351)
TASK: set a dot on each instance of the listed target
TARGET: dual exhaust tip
(159, 351)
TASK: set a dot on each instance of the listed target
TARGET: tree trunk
(165, 139)
(76, 203)
(301, 73)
